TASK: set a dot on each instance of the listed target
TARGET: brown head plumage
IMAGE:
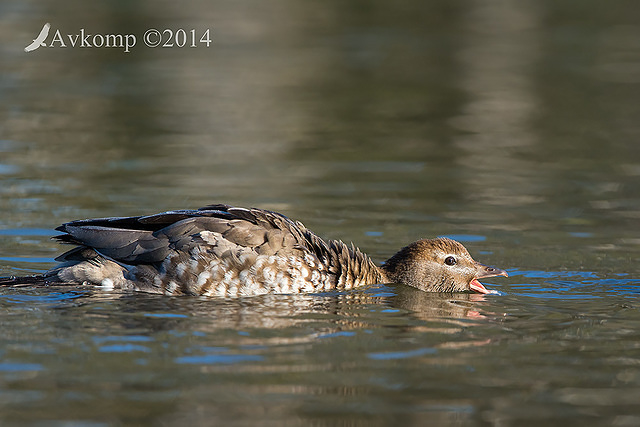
(438, 265)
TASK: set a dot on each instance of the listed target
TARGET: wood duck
(221, 250)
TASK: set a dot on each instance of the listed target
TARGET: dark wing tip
(16, 281)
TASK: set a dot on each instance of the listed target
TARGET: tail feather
(16, 281)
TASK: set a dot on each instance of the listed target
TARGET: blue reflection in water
(123, 348)
(586, 284)
(166, 315)
(581, 234)
(44, 298)
(215, 359)
(35, 260)
(338, 334)
(402, 354)
(123, 343)
(18, 367)
(28, 232)
(552, 274)
(373, 233)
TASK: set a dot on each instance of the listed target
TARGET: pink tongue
(478, 287)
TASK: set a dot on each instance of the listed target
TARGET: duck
(227, 251)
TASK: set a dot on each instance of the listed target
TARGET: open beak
(482, 272)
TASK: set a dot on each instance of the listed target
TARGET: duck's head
(438, 265)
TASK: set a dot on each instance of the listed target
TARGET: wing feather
(150, 239)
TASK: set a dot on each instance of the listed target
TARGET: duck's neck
(354, 268)
(392, 269)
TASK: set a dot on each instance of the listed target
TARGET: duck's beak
(482, 272)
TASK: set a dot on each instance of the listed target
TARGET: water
(510, 126)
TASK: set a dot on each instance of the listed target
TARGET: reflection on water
(295, 355)
(512, 127)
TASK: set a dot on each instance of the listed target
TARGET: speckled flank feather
(215, 251)
(196, 273)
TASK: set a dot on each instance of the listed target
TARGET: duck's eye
(450, 260)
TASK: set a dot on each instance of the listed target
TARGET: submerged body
(220, 250)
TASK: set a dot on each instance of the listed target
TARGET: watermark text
(152, 38)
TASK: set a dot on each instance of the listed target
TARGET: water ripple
(216, 359)
(402, 354)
